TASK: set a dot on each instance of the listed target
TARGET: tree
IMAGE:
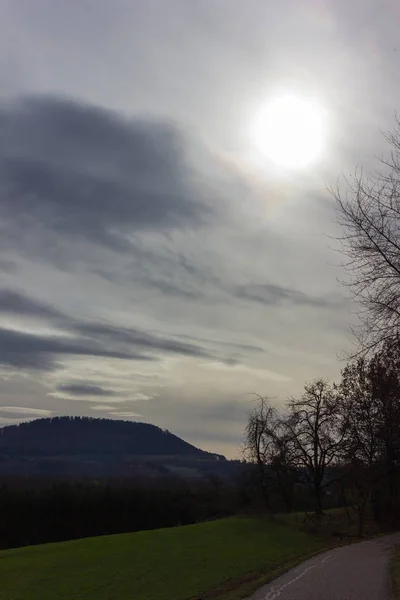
(385, 379)
(258, 440)
(361, 413)
(360, 450)
(358, 490)
(313, 423)
(369, 211)
(282, 463)
(268, 446)
(370, 400)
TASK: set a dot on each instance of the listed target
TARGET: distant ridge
(61, 436)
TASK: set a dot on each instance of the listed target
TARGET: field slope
(164, 564)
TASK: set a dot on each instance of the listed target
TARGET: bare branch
(369, 212)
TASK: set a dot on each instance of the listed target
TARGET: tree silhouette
(368, 209)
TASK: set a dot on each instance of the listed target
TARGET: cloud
(25, 350)
(82, 389)
(8, 266)
(131, 242)
(122, 339)
(140, 339)
(18, 303)
(225, 411)
(125, 415)
(78, 171)
(131, 221)
(25, 411)
(272, 295)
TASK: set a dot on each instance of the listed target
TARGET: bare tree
(283, 464)
(258, 441)
(369, 212)
(370, 400)
(314, 426)
(268, 445)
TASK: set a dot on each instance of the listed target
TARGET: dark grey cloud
(272, 295)
(169, 289)
(80, 171)
(31, 351)
(8, 266)
(231, 345)
(95, 338)
(17, 303)
(139, 339)
(85, 389)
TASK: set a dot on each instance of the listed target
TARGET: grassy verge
(395, 571)
(230, 557)
(336, 523)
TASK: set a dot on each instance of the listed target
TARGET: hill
(81, 446)
(84, 435)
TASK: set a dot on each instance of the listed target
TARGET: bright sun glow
(290, 131)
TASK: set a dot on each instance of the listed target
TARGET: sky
(154, 265)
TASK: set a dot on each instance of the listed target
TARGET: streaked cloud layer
(151, 265)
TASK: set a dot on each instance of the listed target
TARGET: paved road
(356, 572)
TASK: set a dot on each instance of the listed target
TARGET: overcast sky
(153, 266)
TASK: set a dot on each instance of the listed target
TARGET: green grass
(221, 559)
(395, 571)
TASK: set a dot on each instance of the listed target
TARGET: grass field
(219, 559)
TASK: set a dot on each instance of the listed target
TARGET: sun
(290, 131)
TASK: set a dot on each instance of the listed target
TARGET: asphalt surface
(356, 572)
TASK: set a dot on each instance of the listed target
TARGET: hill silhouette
(63, 436)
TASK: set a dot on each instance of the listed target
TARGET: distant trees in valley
(35, 512)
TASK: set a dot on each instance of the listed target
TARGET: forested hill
(60, 436)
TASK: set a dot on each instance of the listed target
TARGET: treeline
(39, 512)
(339, 440)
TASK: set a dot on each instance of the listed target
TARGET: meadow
(223, 559)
